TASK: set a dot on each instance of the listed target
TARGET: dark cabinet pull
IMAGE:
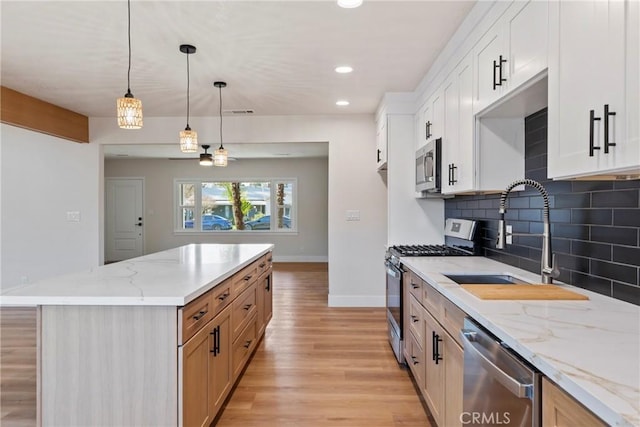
(247, 278)
(223, 296)
(607, 113)
(247, 307)
(497, 66)
(436, 350)
(428, 130)
(414, 286)
(415, 360)
(247, 344)
(267, 285)
(270, 259)
(414, 319)
(262, 265)
(378, 157)
(216, 341)
(453, 173)
(200, 314)
(592, 120)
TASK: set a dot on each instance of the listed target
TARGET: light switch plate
(353, 215)
(73, 216)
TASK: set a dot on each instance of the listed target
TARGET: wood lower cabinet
(433, 353)
(215, 352)
(561, 410)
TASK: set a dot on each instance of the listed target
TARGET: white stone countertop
(589, 348)
(170, 278)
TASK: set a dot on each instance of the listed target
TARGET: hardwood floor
(317, 366)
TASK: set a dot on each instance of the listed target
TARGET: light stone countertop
(168, 278)
(590, 348)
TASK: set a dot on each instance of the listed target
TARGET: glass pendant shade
(220, 157)
(188, 140)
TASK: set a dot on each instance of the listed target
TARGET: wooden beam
(27, 112)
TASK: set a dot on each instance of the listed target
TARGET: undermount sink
(485, 279)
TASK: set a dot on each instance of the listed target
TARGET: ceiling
(278, 57)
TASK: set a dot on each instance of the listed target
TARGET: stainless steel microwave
(428, 167)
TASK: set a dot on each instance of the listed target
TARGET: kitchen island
(591, 349)
(157, 340)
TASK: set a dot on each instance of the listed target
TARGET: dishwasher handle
(514, 386)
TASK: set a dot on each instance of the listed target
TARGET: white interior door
(124, 224)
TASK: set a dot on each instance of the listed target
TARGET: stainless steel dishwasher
(500, 388)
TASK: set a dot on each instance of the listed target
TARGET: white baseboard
(301, 258)
(357, 300)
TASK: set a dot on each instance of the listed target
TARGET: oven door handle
(393, 271)
(514, 386)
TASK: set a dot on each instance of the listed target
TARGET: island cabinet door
(196, 377)
(267, 303)
(220, 357)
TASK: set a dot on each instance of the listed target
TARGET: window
(260, 205)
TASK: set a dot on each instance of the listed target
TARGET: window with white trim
(257, 205)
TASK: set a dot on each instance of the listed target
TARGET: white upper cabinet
(457, 141)
(593, 88)
(381, 142)
(512, 52)
(432, 122)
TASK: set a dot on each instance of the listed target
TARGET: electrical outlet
(73, 216)
(509, 236)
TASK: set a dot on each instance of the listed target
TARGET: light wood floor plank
(317, 366)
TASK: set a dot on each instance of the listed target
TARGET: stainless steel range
(459, 241)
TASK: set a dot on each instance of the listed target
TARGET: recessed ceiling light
(349, 4)
(344, 69)
(342, 103)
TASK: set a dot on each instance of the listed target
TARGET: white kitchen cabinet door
(426, 121)
(526, 29)
(436, 129)
(586, 78)
(381, 143)
(458, 144)
(489, 81)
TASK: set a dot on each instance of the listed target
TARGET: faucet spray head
(502, 232)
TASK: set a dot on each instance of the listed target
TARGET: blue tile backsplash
(595, 224)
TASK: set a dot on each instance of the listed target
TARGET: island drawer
(415, 286)
(432, 300)
(244, 307)
(196, 314)
(452, 319)
(245, 277)
(243, 346)
(221, 295)
(415, 318)
(264, 264)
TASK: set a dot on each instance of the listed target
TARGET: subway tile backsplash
(595, 224)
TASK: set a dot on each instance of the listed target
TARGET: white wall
(355, 248)
(310, 243)
(44, 177)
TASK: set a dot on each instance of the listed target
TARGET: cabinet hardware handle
(428, 130)
(247, 277)
(378, 157)
(267, 286)
(247, 344)
(223, 296)
(216, 341)
(200, 314)
(436, 347)
(433, 345)
(139, 224)
(453, 173)
(414, 286)
(592, 120)
(497, 65)
(270, 259)
(415, 360)
(607, 113)
(262, 265)
(414, 319)
(247, 307)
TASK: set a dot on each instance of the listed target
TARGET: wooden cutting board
(523, 292)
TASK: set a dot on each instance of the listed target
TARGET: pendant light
(220, 155)
(188, 137)
(128, 108)
(205, 158)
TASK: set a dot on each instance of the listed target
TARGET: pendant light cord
(188, 90)
(220, 90)
(129, 36)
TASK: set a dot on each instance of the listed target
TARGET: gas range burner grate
(429, 250)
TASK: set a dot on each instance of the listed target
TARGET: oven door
(394, 308)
